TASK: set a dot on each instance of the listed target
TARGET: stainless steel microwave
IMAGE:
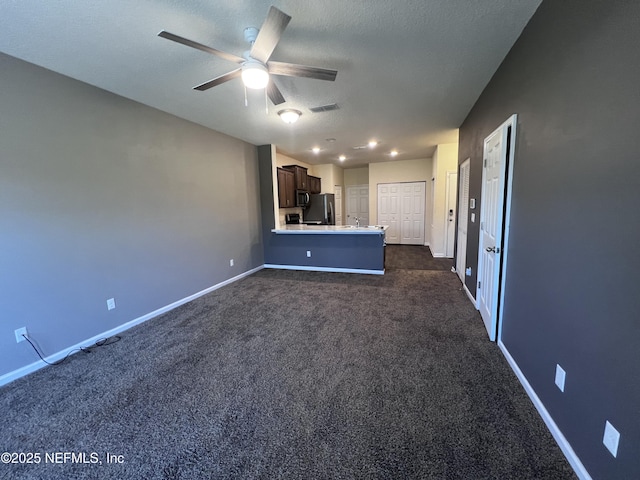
(302, 198)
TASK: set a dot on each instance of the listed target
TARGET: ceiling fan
(256, 68)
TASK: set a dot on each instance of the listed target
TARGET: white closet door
(401, 206)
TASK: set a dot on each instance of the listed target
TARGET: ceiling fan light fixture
(289, 115)
(254, 75)
(393, 153)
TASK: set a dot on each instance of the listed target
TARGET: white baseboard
(324, 269)
(560, 439)
(473, 300)
(438, 255)
(21, 372)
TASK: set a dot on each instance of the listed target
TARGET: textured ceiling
(408, 71)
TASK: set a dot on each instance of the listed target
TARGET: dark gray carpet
(294, 375)
(414, 257)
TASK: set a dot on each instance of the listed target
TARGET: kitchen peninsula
(331, 248)
(331, 229)
(328, 248)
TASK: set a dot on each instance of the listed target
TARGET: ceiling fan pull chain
(266, 102)
(246, 102)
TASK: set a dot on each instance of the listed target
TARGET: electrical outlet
(611, 438)
(111, 304)
(231, 262)
(467, 272)
(308, 253)
(19, 332)
(561, 375)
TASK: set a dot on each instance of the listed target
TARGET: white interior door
(338, 198)
(363, 205)
(495, 159)
(412, 205)
(389, 210)
(357, 204)
(463, 219)
(450, 233)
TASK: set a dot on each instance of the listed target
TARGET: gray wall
(571, 298)
(102, 197)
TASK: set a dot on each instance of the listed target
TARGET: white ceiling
(408, 71)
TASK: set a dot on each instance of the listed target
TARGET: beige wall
(356, 176)
(331, 176)
(400, 171)
(282, 160)
(445, 160)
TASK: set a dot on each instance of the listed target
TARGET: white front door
(358, 204)
(463, 219)
(450, 233)
(495, 160)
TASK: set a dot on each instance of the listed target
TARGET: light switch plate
(111, 304)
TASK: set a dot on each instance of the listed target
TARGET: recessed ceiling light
(316, 150)
(330, 140)
(342, 158)
(393, 153)
(373, 143)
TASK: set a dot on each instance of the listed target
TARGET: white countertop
(331, 229)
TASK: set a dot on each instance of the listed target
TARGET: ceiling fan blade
(293, 70)
(270, 34)
(274, 94)
(199, 46)
(218, 80)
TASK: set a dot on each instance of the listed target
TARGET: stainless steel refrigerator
(321, 210)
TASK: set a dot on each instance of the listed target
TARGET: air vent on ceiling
(325, 108)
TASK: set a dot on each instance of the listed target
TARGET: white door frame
(502, 238)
